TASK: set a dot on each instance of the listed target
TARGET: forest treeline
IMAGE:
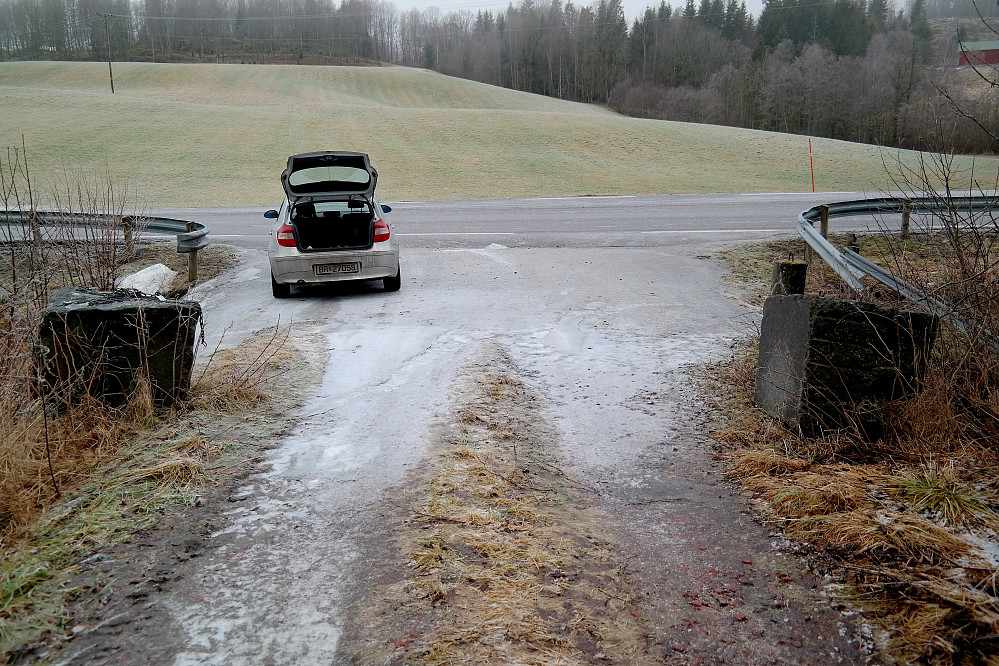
(858, 70)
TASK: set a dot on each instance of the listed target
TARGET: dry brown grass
(197, 447)
(907, 522)
(513, 571)
(118, 471)
(51, 447)
(46, 455)
(892, 527)
(237, 379)
(49, 442)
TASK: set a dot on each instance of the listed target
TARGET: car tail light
(286, 235)
(381, 231)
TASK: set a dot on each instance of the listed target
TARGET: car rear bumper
(301, 269)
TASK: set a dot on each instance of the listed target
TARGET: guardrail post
(852, 243)
(126, 229)
(824, 216)
(788, 277)
(192, 260)
(906, 214)
(35, 223)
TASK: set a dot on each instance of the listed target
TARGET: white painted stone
(150, 280)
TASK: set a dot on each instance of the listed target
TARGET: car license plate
(332, 269)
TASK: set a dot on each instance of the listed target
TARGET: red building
(979, 53)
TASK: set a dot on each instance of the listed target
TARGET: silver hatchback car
(330, 228)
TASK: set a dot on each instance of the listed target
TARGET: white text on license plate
(331, 269)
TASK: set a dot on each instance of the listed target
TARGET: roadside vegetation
(905, 528)
(78, 475)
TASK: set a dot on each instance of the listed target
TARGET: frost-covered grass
(507, 565)
(150, 464)
(219, 135)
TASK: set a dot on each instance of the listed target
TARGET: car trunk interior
(332, 230)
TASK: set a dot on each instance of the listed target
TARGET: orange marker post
(811, 162)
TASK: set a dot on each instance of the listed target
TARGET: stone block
(101, 343)
(830, 364)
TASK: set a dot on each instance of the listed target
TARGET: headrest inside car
(307, 209)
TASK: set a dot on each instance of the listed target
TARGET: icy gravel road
(600, 327)
(602, 332)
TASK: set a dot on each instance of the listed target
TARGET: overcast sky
(632, 8)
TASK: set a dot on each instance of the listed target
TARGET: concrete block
(100, 343)
(830, 364)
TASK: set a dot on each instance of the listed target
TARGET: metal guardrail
(899, 205)
(191, 236)
(852, 267)
(830, 254)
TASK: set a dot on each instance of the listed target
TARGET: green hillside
(219, 135)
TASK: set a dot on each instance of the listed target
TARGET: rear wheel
(393, 283)
(279, 290)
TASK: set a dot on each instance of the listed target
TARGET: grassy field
(219, 135)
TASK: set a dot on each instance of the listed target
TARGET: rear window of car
(331, 209)
(325, 178)
(324, 207)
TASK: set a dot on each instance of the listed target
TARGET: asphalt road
(612, 221)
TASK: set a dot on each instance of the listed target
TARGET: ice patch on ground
(246, 275)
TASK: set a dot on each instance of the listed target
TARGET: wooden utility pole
(107, 35)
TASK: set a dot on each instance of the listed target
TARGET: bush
(45, 444)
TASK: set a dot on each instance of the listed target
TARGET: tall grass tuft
(234, 379)
(939, 492)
